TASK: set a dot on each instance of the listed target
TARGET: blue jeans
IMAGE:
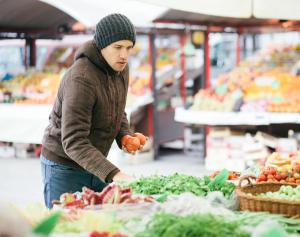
(59, 179)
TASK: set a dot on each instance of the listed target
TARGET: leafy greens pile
(180, 183)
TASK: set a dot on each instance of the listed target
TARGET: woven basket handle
(248, 178)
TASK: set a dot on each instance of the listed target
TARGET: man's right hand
(122, 177)
(132, 144)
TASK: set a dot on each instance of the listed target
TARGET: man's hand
(122, 177)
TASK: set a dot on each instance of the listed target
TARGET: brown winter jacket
(88, 114)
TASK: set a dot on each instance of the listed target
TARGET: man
(88, 113)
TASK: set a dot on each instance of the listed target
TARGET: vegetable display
(169, 225)
(180, 183)
(285, 192)
(206, 224)
(111, 194)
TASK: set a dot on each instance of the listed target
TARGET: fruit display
(265, 83)
(280, 169)
(140, 67)
(208, 100)
(111, 194)
(279, 161)
(139, 82)
(30, 88)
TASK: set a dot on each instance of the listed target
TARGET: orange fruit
(141, 137)
(132, 144)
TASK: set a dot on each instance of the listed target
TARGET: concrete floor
(20, 178)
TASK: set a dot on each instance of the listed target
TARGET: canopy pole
(207, 83)
(30, 53)
(183, 39)
(153, 114)
(238, 49)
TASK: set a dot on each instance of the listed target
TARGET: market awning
(274, 9)
(277, 9)
(91, 11)
(58, 16)
(184, 17)
(236, 13)
(32, 16)
(228, 8)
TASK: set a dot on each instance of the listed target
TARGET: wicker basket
(248, 200)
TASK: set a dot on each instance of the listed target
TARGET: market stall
(174, 205)
(261, 201)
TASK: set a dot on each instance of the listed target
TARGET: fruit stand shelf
(234, 118)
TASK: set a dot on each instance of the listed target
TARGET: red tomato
(283, 175)
(99, 234)
(278, 177)
(296, 168)
(273, 171)
(262, 178)
(270, 176)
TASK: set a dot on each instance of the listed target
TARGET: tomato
(132, 144)
(278, 177)
(270, 176)
(296, 168)
(141, 137)
(262, 178)
(273, 171)
(231, 177)
(99, 234)
(292, 180)
(283, 175)
(124, 139)
(266, 172)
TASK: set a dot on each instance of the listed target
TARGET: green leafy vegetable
(47, 225)
(219, 180)
(162, 198)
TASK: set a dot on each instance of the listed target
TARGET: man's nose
(124, 54)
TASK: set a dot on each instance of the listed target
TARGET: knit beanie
(112, 28)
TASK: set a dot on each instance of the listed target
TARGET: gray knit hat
(112, 28)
